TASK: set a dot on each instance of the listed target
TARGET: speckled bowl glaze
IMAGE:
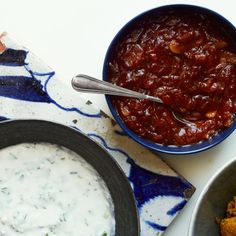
(36, 131)
(225, 25)
(213, 201)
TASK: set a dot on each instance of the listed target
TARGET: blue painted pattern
(146, 184)
(23, 88)
(3, 118)
(12, 57)
(156, 226)
(176, 208)
(28, 88)
(44, 89)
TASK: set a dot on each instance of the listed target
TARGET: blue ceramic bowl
(224, 25)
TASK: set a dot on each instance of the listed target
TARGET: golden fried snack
(231, 208)
(228, 226)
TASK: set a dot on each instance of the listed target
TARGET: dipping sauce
(189, 62)
(47, 190)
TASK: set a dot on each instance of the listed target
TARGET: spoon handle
(87, 84)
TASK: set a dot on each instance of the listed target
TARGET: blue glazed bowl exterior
(224, 24)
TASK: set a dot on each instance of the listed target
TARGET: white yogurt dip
(47, 190)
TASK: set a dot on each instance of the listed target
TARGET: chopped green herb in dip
(47, 190)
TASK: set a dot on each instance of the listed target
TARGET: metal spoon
(87, 84)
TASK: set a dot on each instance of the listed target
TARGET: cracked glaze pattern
(30, 90)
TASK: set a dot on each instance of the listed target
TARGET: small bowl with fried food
(228, 224)
(215, 211)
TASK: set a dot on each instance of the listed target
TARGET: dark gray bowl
(213, 201)
(34, 131)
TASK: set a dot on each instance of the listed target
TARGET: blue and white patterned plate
(31, 90)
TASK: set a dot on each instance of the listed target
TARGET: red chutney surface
(182, 60)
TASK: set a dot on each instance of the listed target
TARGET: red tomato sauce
(182, 59)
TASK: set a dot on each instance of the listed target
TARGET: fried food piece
(228, 226)
(231, 208)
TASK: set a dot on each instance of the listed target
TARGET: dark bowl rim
(204, 191)
(74, 134)
(168, 149)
